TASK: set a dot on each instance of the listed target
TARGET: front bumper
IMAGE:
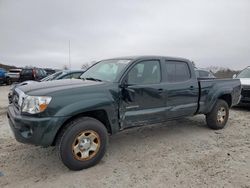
(245, 100)
(33, 130)
(245, 95)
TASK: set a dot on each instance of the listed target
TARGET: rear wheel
(218, 116)
(82, 143)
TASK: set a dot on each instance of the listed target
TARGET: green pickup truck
(77, 116)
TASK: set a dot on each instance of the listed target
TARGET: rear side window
(177, 71)
(203, 74)
(44, 73)
(41, 72)
(75, 75)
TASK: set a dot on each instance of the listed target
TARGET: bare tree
(226, 73)
(85, 66)
(193, 63)
(222, 72)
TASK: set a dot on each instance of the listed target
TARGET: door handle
(191, 87)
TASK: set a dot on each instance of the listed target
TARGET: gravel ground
(183, 153)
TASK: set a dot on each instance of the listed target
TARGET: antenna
(69, 56)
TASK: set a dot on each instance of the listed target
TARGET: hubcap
(86, 145)
(221, 115)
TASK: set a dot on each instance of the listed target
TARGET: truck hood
(245, 81)
(44, 88)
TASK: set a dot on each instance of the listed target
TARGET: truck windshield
(107, 70)
(245, 73)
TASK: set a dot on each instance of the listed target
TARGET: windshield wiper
(94, 79)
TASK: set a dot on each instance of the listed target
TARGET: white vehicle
(244, 77)
(14, 74)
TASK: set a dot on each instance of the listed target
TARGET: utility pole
(69, 57)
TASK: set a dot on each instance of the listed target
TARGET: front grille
(18, 97)
(15, 100)
(245, 92)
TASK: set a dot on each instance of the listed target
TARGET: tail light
(34, 73)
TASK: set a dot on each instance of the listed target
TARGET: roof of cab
(144, 57)
(73, 70)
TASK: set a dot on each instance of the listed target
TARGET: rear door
(182, 89)
(143, 99)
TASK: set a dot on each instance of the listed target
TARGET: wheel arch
(227, 98)
(100, 115)
(213, 98)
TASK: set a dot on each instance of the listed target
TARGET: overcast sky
(211, 32)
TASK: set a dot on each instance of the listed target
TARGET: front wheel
(218, 116)
(82, 143)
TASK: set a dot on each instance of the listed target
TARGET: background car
(50, 71)
(244, 77)
(204, 74)
(65, 74)
(32, 74)
(4, 77)
(14, 74)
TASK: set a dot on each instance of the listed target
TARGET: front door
(143, 99)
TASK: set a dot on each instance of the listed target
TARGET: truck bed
(211, 89)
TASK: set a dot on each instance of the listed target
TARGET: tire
(8, 82)
(217, 118)
(82, 143)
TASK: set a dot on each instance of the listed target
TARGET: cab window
(145, 72)
(177, 71)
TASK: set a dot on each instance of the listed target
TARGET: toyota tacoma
(77, 116)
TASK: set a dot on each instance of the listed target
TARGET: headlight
(35, 104)
(11, 93)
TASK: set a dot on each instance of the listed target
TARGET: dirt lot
(183, 153)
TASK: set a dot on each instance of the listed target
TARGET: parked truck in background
(32, 73)
(77, 116)
(244, 77)
(14, 74)
(203, 74)
(4, 77)
(65, 74)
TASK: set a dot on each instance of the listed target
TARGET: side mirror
(124, 85)
(234, 76)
